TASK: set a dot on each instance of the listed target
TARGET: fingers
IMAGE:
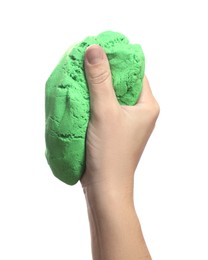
(148, 101)
(98, 74)
(146, 95)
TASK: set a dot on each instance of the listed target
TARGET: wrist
(104, 196)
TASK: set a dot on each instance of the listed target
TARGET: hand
(116, 138)
(116, 135)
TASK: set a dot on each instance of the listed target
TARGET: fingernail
(94, 54)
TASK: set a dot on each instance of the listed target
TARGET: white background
(43, 218)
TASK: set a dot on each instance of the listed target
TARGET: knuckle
(100, 77)
(152, 112)
(156, 109)
(106, 114)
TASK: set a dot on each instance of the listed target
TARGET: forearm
(115, 228)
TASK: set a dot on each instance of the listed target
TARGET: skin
(116, 138)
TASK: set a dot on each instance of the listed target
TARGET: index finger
(146, 94)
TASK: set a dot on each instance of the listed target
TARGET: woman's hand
(116, 134)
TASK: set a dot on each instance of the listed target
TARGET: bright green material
(67, 100)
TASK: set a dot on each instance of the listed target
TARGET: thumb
(98, 74)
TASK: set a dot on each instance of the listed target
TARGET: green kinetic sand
(67, 101)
